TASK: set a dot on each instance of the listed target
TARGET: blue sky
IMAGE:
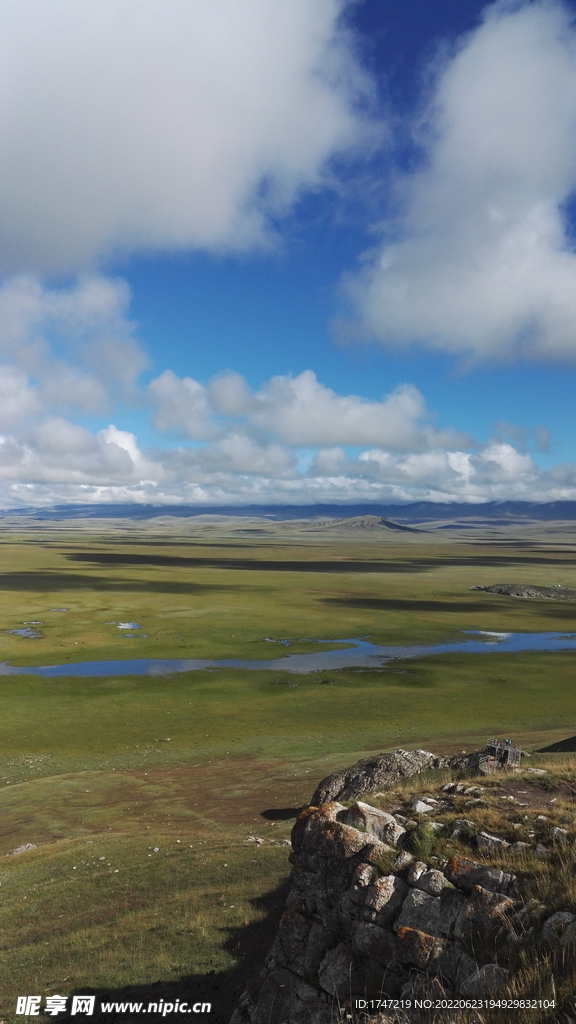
(291, 253)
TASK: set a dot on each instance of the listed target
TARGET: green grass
(122, 764)
(88, 723)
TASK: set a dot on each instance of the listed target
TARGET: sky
(287, 253)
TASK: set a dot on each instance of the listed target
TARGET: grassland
(115, 767)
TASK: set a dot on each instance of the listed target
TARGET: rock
(418, 868)
(372, 773)
(445, 927)
(436, 826)
(569, 936)
(419, 911)
(318, 836)
(448, 787)
(364, 874)
(351, 907)
(404, 860)
(541, 817)
(310, 821)
(537, 771)
(421, 986)
(467, 874)
(485, 841)
(374, 852)
(541, 851)
(308, 888)
(377, 943)
(481, 919)
(283, 996)
(559, 835)
(385, 897)
(419, 807)
(456, 966)
(22, 849)
(463, 827)
(434, 915)
(433, 882)
(418, 948)
(489, 981)
(529, 590)
(374, 821)
(300, 943)
(337, 973)
(519, 847)
(554, 927)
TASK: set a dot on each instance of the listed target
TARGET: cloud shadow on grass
(383, 604)
(243, 564)
(551, 609)
(411, 565)
(50, 581)
(248, 945)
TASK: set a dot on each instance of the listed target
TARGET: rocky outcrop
(528, 590)
(364, 918)
(373, 773)
(383, 771)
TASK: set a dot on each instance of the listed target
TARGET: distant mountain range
(503, 512)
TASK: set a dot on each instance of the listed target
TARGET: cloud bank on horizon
(211, 122)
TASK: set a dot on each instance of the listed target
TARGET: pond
(359, 654)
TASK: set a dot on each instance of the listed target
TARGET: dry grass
(548, 884)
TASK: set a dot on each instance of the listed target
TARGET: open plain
(143, 796)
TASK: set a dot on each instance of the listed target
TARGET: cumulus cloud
(165, 123)
(301, 411)
(482, 263)
(65, 348)
(296, 411)
(61, 462)
(266, 446)
(180, 404)
(67, 458)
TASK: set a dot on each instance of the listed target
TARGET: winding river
(359, 653)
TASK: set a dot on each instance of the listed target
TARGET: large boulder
(374, 821)
(372, 773)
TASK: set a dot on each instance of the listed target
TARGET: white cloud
(245, 460)
(17, 398)
(296, 411)
(164, 123)
(65, 348)
(180, 404)
(481, 264)
(94, 469)
(301, 411)
(64, 456)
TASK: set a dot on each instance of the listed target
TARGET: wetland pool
(359, 654)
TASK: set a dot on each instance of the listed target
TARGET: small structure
(499, 754)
